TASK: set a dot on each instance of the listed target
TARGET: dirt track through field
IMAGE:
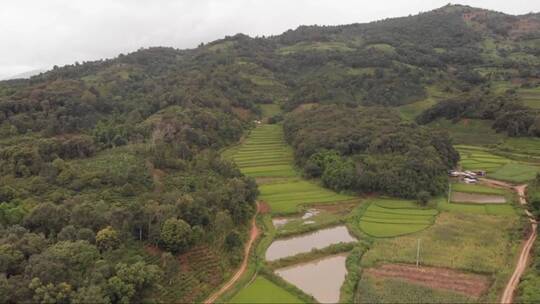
(513, 283)
(469, 284)
(509, 291)
(254, 233)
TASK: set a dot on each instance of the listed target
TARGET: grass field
(286, 197)
(262, 290)
(411, 110)
(314, 46)
(485, 209)
(465, 241)
(391, 217)
(264, 153)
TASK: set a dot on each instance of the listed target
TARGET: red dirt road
(508, 294)
(512, 285)
(254, 233)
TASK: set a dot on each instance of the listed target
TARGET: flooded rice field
(321, 278)
(462, 197)
(319, 239)
(282, 221)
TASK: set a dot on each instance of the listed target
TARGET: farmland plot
(390, 218)
(468, 284)
(264, 153)
(287, 197)
(465, 241)
(262, 290)
(372, 289)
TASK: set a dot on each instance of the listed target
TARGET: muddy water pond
(462, 197)
(321, 278)
(305, 243)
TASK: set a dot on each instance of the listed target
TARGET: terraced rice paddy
(286, 197)
(516, 172)
(262, 290)
(264, 153)
(476, 158)
(498, 167)
(390, 218)
(530, 97)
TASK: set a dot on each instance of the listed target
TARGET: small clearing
(469, 284)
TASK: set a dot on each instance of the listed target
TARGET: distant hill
(26, 75)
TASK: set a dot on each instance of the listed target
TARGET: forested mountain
(103, 162)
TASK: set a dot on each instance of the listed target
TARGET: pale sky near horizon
(37, 34)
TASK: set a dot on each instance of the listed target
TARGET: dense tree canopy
(370, 149)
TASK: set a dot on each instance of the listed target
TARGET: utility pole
(449, 191)
(418, 253)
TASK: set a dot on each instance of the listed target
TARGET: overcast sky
(37, 34)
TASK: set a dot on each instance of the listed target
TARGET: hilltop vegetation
(112, 167)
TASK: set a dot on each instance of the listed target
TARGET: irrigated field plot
(471, 188)
(392, 217)
(286, 197)
(264, 153)
(263, 291)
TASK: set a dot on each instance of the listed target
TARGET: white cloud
(39, 34)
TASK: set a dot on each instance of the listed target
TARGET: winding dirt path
(509, 291)
(513, 283)
(254, 233)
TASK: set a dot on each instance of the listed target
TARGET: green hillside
(113, 188)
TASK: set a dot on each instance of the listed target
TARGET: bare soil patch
(469, 284)
(264, 208)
